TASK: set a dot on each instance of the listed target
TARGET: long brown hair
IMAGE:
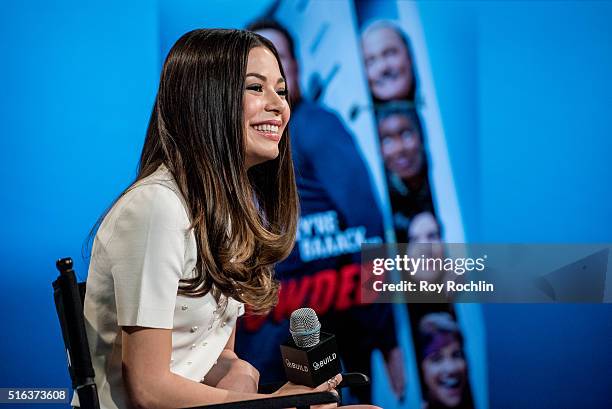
(244, 221)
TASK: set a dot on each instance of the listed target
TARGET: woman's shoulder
(155, 199)
(161, 177)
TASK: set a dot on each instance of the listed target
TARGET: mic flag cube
(311, 366)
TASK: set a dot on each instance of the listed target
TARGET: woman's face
(445, 375)
(266, 111)
(401, 146)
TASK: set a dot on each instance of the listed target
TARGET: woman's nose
(450, 366)
(275, 103)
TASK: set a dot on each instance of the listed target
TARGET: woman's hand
(293, 389)
(233, 374)
(241, 377)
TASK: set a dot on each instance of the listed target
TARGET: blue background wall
(78, 83)
(533, 79)
(536, 76)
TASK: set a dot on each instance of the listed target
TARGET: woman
(196, 236)
(443, 366)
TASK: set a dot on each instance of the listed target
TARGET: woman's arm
(232, 373)
(149, 382)
(231, 341)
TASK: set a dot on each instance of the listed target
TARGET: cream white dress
(142, 249)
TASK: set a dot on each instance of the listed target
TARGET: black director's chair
(69, 295)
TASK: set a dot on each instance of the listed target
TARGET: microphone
(310, 356)
(305, 327)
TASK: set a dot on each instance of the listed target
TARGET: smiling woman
(195, 237)
(266, 110)
(442, 363)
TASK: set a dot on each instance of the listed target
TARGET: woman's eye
(255, 87)
(408, 134)
(282, 92)
(435, 358)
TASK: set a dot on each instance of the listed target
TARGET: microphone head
(305, 327)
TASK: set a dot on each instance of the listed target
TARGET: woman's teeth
(449, 382)
(266, 128)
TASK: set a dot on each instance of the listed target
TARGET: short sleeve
(240, 310)
(146, 252)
